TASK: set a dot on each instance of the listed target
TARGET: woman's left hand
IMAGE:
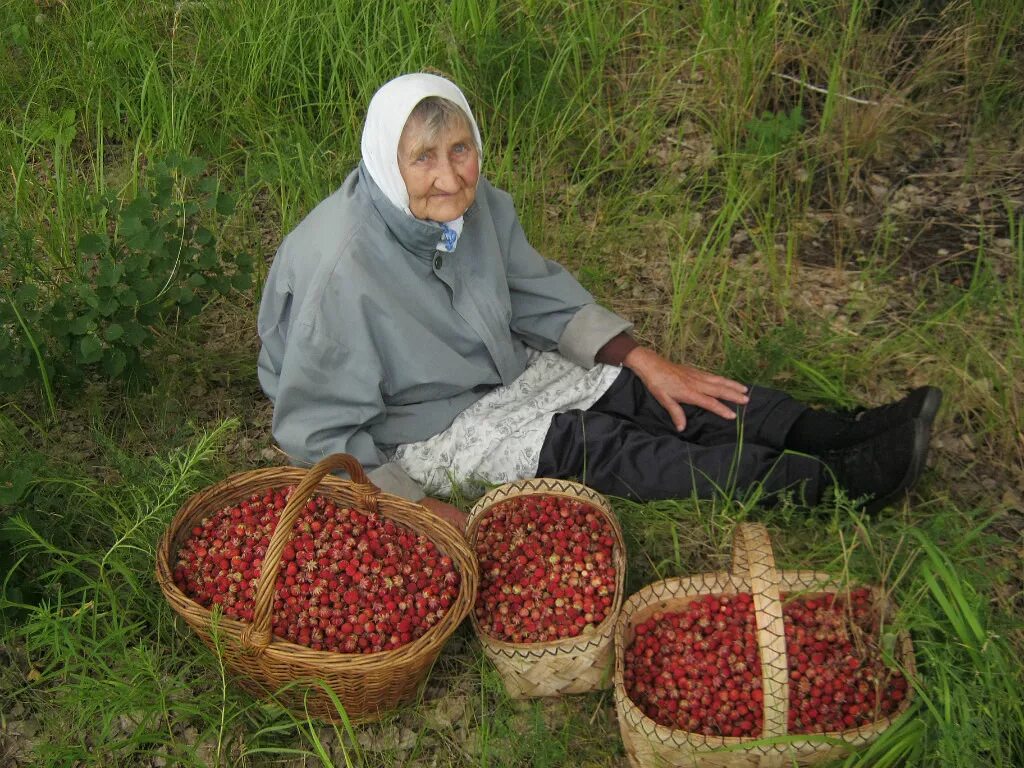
(447, 512)
(673, 383)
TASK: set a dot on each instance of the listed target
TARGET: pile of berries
(546, 568)
(699, 669)
(348, 581)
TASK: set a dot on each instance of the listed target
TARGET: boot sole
(930, 406)
(918, 457)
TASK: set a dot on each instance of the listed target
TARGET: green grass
(724, 173)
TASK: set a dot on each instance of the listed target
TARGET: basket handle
(754, 563)
(255, 636)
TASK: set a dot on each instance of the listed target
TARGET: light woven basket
(650, 745)
(367, 685)
(575, 664)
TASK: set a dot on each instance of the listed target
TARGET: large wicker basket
(301, 679)
(649, 744)
(576, 664)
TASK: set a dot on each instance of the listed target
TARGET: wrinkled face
(440, 173)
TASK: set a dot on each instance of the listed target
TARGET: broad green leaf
(90, 350)
(196, 280)
(14, 483)
(26, 294)
(131, 226)
(126, 296)
(208, 259)
(193, 166)
(134, 334)
(241, 281)
(113, 332)
(92, 244)
(114, 362)
(88, 295)
(203, 236)
(225, 204)
(108, 305)
(156, 243)
(137, 263)
(109, 274)
(147, 290)
(139, 208)
(83, 324)
(191, 308)
(162, 189)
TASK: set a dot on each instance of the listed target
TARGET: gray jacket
(373, 338)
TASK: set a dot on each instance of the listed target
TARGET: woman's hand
(672, 384)
(445, 511)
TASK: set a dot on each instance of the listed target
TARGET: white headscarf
(389, 109)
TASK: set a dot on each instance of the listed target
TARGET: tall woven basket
(573, 665)
(301, 679)
(650, 745)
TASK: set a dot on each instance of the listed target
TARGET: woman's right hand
(445, 511)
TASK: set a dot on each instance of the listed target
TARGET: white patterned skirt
(498, 438)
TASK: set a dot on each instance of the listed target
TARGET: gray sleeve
(391, 478)
(590, 328)
(543, 295)
(327, 396)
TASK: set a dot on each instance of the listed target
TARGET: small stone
(447, 711)
(26, 728)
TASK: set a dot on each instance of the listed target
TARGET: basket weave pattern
(649, 744)
(572, 665)
(367, 685)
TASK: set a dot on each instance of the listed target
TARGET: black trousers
(626, 445)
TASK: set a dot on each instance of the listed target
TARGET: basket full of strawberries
(756, 667)
(552, 565)
(325, 593)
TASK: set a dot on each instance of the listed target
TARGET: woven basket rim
(279, 647)
(586, 639)
(630, 707)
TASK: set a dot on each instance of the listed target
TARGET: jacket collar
(415, 235)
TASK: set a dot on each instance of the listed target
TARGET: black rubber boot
(883, 468)
(821, 431)
(921, 403)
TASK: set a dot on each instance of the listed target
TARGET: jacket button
(437, 262)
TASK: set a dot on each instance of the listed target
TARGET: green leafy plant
(773, 132)
(156, 262)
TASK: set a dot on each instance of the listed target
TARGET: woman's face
(440, 174)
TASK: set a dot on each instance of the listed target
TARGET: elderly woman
(408, 321)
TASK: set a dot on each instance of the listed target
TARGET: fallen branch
(826, 91)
